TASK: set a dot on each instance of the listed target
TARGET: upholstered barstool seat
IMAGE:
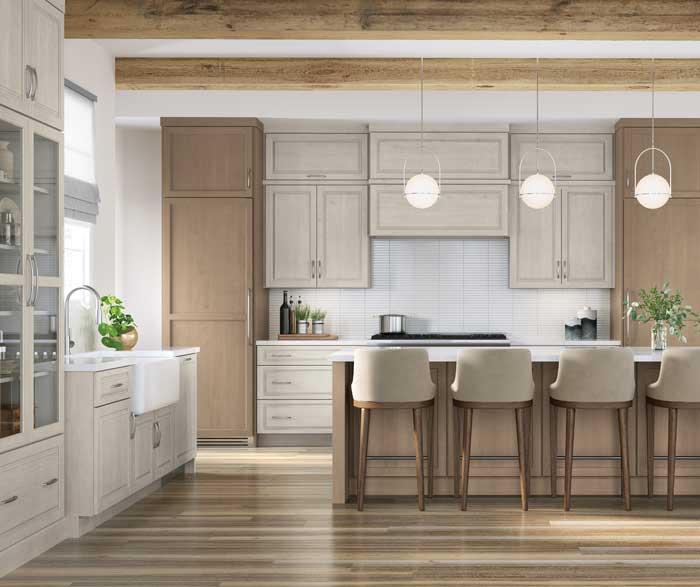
(492, 378)
(591, 378)
(394, 378)
(678, 387)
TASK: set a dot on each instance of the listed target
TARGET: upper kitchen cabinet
(568, 244)
(680, 141)
(207, 161)
(462, 155)
(461, 210)
(31, 59)
(316, 236)
(578, 156)
(316, 157)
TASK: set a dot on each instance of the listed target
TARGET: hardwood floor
(264, 517)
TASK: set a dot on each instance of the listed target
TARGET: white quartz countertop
(540, 354)
(95, 361)
(339, 342)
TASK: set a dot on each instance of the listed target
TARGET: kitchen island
(494, 468)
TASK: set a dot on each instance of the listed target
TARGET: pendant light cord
(421, 115)
(653, 91)
(537, 111)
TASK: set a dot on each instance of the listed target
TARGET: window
(77, 249)
(79, 134)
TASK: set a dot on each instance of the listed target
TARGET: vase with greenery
(317, 317)
(666, 311)
(302, 311)
(118, 329)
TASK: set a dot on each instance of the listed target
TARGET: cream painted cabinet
(163, 448)
(13, 83)
(142, 443)
(316, 156)
(462, 155)
(112, 454)
(461, 210)
(568, 244)
(185, 413)
(581, 156)
(317, 236)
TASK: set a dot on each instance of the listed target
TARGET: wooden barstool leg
(466, 453)
(553, 448)
(362, 473)
(431, 443)
(624, 457)
(672, 433)
(650, 449)
(570, 423)
(418, 444)
(528, 444)
(457, 437)
(521, 427)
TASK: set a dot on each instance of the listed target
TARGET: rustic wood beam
(402, 74)
(383, 19)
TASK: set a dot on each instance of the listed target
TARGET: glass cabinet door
(47, 215)
(11, 387)
(12, 164)
(45, 303)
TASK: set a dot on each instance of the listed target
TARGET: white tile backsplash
(448, 286)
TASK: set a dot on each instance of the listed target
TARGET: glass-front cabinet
(31, 235)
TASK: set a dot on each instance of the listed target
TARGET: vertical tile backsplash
(448, 286)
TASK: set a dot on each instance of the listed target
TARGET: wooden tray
(307, 337)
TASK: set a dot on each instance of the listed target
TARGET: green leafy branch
(117, 322)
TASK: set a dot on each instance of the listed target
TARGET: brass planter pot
(129, 339)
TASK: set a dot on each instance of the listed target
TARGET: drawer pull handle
(51, 482)
(282, 418)
(281, 383)
(282, 356)
(9, 500)
(316, 175)
(117, 385)
(188, 359)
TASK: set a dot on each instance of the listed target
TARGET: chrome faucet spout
(98, 313)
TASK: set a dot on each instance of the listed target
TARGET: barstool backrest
(392, 376)
(679, 378)
(596, 375)
(493, 375)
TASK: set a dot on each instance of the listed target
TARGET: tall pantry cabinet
(213, 280)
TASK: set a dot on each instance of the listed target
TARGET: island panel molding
(502, 74)
(383, 19)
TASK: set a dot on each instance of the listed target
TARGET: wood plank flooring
(263, 517)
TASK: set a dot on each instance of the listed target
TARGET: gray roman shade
(82, 199)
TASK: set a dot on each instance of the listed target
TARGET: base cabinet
(185, 413)
(112, 462)
(163, 445)
(142, 443)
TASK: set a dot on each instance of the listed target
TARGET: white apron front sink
(156, 384)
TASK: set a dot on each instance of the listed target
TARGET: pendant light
(653, 191)
(421, 191)
(537, 190)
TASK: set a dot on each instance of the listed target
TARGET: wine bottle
(293, 315)
(285, 316)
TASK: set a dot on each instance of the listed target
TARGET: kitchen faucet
(98, 314)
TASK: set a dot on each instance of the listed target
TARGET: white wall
(139, 240)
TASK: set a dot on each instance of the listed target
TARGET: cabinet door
(12, 78)
(535, 244)
(142, 443)
(290, 236)
(207, 161)
(342, 245)
(461, 210)
(316, 156)
(163, 453)
(14, 409)
(587, 237)
(462, 155)
(112, 464)
(43, 41)
(185, 414)
(578, 156)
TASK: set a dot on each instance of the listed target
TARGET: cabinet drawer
(286, 355)
(112, 386)
(31, 489)
(279, 383)
(300, 416)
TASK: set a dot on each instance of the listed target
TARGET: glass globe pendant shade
(421, 191)
(537, 191)
(652, 191)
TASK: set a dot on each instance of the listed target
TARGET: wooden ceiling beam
(383, 19)
(402, 74)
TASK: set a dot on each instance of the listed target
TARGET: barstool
(591, 378)
(678, 386)
(488, 378)
(390, 379)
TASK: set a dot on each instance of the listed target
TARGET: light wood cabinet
(568, 244)
(163, 449)
(316, 156)
(462, 155)
(578, 156)
(461, 210)
(185, 413)
(316, 236)
(142, 442)
(112, 465)
(12, 79)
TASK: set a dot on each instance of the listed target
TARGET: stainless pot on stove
(392, 324)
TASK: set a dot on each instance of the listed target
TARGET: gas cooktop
(440, 339)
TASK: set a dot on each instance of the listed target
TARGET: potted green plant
(666, 311)
(302, 312)
(317, 317)
(118, 329)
